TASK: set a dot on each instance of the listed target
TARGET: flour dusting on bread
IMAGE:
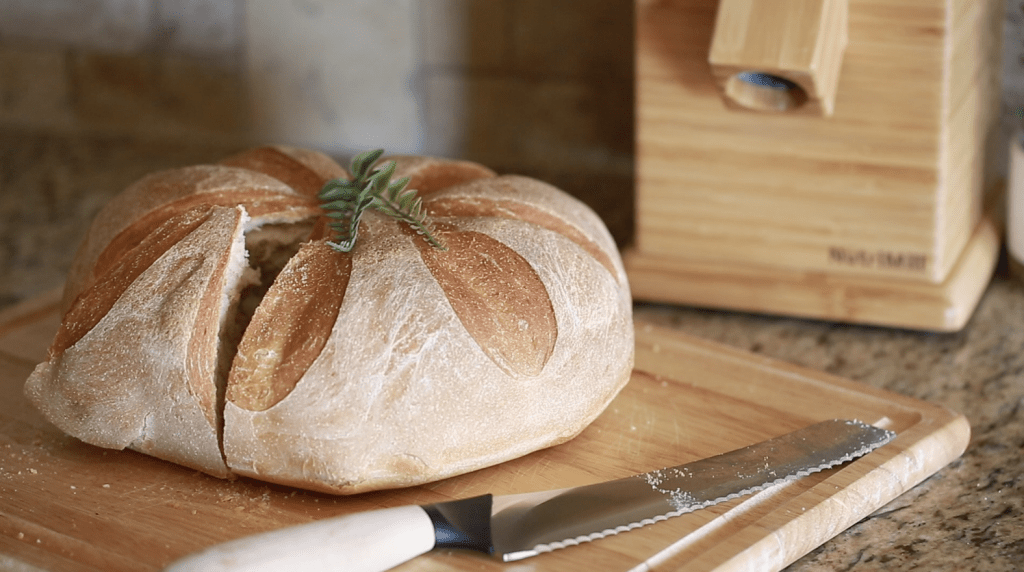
(210, 323)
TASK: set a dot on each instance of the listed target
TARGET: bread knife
(513, 527)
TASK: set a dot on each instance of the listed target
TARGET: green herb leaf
(362, 163)
(345, 201)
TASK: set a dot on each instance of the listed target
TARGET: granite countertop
(968, 516)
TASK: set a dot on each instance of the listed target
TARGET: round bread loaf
(209, 323)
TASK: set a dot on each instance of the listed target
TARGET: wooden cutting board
(65, 505)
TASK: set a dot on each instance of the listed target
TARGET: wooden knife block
(819, 158)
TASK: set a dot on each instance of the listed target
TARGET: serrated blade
(517, 526)
(533, 523)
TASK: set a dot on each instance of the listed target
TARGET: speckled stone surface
(969, 516)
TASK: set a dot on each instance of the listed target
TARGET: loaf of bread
(209, 322)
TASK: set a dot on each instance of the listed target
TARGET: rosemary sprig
(345, 201)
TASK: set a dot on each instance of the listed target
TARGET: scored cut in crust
(256, 349)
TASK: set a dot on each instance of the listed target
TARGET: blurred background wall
(95, 93)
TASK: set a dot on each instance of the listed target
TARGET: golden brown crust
(97, 300)
(393, 365)
(258, 205)
(447, 206)
(303, 170)
(497, 296)
(153, 199)
(144, 376)
(290, 327)
(429, 174)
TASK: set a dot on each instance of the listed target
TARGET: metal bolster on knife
(518, 526)
(463, 523)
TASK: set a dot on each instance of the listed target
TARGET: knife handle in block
(362, 542)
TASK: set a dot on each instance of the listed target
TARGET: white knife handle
(362, 542)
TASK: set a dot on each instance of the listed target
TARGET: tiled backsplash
(523, 84)
(537, 87)
(208, 28)
(95, 93)
(335, 74)
(534, 85)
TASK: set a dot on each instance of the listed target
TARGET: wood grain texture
(892, 185)
(799, 40)
(944, 307)
(65, 505)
